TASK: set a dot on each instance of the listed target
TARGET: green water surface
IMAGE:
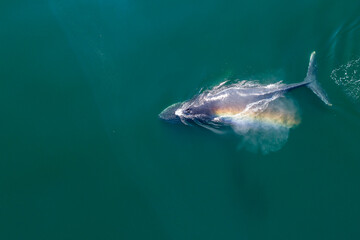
(83, 154)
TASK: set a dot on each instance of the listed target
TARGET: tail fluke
(313, 84)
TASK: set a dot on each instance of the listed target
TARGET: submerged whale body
(261, 114)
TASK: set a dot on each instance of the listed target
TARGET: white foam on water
(347, 76)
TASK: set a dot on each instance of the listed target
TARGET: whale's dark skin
(204, 108)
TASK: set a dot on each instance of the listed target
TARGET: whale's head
(169, 113)
(187, 112)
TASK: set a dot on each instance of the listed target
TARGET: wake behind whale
(261, 114)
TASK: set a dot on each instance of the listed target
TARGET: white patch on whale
(256, 130)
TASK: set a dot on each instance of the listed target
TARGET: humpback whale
(244, 105)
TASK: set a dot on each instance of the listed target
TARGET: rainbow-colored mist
(271, 116)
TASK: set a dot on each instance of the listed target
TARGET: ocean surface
(83, 154)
